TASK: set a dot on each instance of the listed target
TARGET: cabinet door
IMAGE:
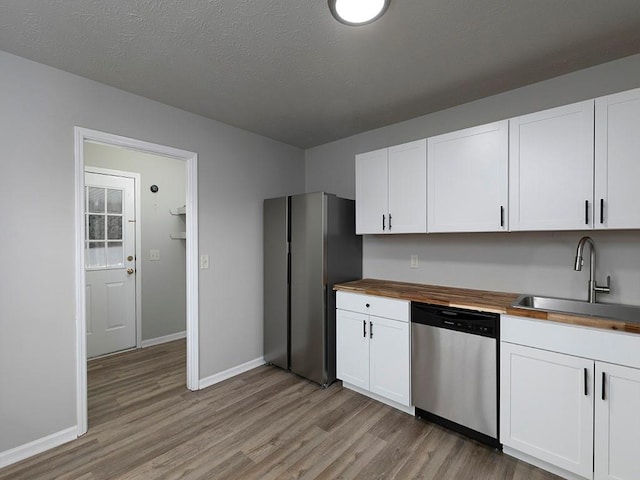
(408, 188)
(617, 434)
(551, 169)
(352, 348)
(617, 195)
(467, 177)
(546, 402)
(371, 192)
(389, 359)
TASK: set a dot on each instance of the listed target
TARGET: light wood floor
(263, 424)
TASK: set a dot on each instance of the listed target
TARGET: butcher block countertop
(484, 300)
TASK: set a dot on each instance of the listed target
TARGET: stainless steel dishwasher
(454, 369)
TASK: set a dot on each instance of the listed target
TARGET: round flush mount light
(358, 12)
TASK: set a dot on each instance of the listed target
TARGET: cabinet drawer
(373, 305)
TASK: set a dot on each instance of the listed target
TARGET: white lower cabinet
(547, 411)
(568, 410)
(352, 349)
(389, 373)
(373, 352)
(617, 422)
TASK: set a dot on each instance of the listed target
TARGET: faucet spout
(579, 260)
(593, 286)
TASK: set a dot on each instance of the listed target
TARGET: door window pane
(115, 254)
(96, 227)
(95, 200)
(104, 228)
(114, 201)
(114, 227)
(94, 255)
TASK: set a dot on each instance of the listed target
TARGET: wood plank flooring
(263, 424)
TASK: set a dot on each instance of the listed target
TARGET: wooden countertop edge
(495, 302)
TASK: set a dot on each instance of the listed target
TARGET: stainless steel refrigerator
(309, 245)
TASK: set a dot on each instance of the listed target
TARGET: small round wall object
(154, 188)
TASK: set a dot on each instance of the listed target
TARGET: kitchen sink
(627, 313)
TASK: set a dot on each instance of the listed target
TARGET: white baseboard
(37, 446)
(231, 372)
(167, 338)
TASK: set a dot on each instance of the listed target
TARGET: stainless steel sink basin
(627, 313)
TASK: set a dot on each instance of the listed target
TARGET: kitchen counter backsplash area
(540, 263)
(482, 300)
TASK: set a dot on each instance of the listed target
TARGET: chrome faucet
(593, 286)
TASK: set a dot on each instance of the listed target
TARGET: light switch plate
(154, 255)
(204, 261)
(414, 261)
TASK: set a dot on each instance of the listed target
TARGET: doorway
(82, 136)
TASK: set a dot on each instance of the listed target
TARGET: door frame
(80, 135)
(138, 234)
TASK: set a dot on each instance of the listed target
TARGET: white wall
(164, 301)
(237, 169)
(516, 262)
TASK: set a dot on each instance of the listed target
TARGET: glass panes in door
(104, 219)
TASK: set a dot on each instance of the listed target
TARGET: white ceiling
(287, 70)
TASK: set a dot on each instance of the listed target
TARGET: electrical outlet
(154, 255)
(204, 261)
(414, 261)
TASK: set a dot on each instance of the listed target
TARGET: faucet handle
(603, 289)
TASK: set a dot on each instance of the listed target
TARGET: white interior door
(110, 263)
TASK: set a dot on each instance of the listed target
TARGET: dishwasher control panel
(459, 319)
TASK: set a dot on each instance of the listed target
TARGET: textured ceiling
(287, 70)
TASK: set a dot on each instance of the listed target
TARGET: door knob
(130, 271)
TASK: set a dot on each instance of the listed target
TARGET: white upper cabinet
(617, 161)
(372, 191)
(551, 169)
(391, 189)
(574, 167)
(408, 188)
(467, 174)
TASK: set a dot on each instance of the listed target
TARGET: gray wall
(163, 281)
(237, 169)
(516, 262)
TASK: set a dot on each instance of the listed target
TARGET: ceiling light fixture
(358, 12)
